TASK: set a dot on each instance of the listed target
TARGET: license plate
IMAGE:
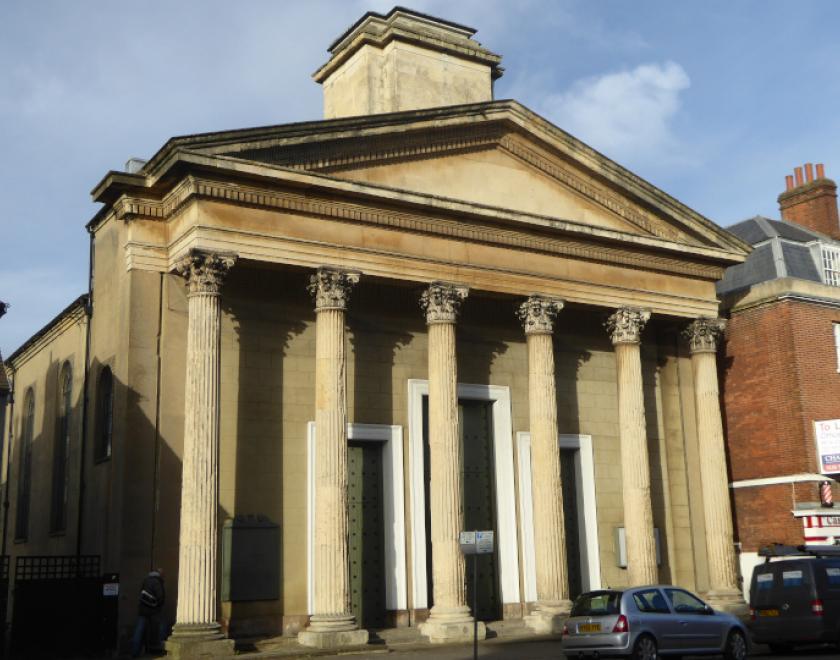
(768, 612)
(589, 627)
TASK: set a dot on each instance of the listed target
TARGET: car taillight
(621, 625)
(752, 614)
(817, 607)
(565, 630)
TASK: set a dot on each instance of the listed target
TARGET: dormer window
(830, 264)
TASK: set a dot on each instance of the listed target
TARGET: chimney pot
(789, 182)
(812, 205)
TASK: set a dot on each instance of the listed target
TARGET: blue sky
(713, 101)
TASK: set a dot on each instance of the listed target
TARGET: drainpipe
(85, 403)
(9, 442)
(6, 398)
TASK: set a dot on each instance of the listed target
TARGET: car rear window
(832, 573)
(793, 578)
(763, 581)
(597, 603)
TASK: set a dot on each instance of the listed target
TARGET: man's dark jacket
(152, 595)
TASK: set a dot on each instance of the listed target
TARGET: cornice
(517, 147)
(580, 242)
(269, 178)
(74, 313)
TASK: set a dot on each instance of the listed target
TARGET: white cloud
(625, 114)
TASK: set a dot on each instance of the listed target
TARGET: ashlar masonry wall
(267, 399)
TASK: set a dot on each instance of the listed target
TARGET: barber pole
(826, 496)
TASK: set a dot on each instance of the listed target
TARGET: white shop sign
(827, 433)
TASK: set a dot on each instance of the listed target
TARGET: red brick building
(781, 369)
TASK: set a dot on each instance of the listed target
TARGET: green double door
(366, 529)
(478, 496)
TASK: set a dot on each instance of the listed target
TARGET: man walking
(150, 605)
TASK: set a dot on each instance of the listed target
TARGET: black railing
(55, 568)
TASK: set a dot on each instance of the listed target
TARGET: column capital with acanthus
(331, 288)
(625, 325)
(703, 334)
(205, 271)
(537, 314)
(441, 302)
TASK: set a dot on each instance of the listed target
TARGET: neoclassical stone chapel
(336, 344)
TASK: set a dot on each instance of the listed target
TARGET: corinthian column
(702, 336)
(625, 328)
(537, 316)
(197, 632)
(332, 623)
(449, 619)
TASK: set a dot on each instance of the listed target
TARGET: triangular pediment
(497, 177)
(496, 154)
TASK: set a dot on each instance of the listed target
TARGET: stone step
(398, 636)
(508, 629)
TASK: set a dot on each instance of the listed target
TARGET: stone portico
(339, 258)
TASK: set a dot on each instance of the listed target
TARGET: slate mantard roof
(781, 249)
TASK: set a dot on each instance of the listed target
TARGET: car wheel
(645, 648)
(736, 646)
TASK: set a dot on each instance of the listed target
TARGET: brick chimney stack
(811, 201)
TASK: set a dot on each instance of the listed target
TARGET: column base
(198, 641)
(730, 601)
(451, 625)
(332, 632)
(549, 617)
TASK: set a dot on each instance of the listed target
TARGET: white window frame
(830, 264)
(837, 343)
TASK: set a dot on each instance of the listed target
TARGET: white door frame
(590, 562)
(505, 497)
(393, 508)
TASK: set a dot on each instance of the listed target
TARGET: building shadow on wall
(660, 346)
(83, 621)
(380, 319)
(270, 382)
(485, 328)
(571, 351)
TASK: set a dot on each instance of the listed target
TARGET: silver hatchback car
(646, 622)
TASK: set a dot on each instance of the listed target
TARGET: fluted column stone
(332, 624)
(553, 605)
(197, 632)
(625, 327)
(449, 619)
(703, 335)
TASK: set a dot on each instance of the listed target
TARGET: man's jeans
(152, 640)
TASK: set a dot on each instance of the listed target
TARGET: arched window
(25, 467)
(104, 415)
(61, 450)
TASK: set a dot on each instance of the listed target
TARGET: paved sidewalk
(491, 649)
